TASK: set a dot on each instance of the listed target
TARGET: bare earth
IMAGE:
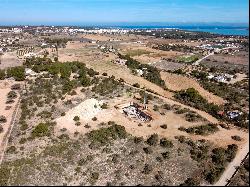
(178, 82)
(9, 59)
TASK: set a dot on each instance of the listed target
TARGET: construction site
(135, 111)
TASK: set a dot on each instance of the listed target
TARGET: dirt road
(5, 141)
(231, 168)
(172, 102)
(198, 61)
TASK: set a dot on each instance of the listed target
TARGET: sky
(125, 11)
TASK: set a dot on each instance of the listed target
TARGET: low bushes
(201, 130)
(3, 119)
(194, 99)
(42, 129)
(153, 140)
(166, 143)
(104, 135)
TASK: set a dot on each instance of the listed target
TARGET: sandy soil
(238, 58)
(153, 56)
(179, 82)
(4, 90)
(239, 77)
(85, 111)
(9, 59)
(107, 37)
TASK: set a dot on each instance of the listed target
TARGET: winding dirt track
(231, 168)
(172, 102)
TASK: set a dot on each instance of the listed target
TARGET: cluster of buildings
(233, 114)
(6, 42)
(120, 61)
(15, 30)
(220, 77)
(133, 111)
(101, 31)
(106, 48)
(220, 47)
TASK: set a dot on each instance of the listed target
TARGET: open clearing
(178, 82)
(9, 59)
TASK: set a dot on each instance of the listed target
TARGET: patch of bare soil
(179, 82)
(9, 59)
(238, 58)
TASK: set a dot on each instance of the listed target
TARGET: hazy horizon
(112, 24)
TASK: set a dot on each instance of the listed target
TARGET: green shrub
(203, 129)
(104, 106)
(42, 129)
(76, 118)
(1, 128)
(17, 73)
(164, 126)
(2, 74)
(3, 119)
(78, 123)
(148, 150)
(104, 135)
(22, 140)
(138, 140)
(166, 143)
(166, 106)
(153, 139)
(12, 95)
(236, 138)
(166, 155)
(136, 85)
(194, 99)
(147, 169)
(11, 149)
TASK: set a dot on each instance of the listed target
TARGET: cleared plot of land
(167, 65)
(237, 58)
(140, 129)
(107, 37)
(174, 41)
(173, 120)
(179, 82)
(146, 54)
(9, 59)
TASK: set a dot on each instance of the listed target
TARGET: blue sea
(224, 30)
(241, 32)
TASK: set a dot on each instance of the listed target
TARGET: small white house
(29, 55)
(233, 114)
(139, 72)
(30, 72)
(120, 62)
